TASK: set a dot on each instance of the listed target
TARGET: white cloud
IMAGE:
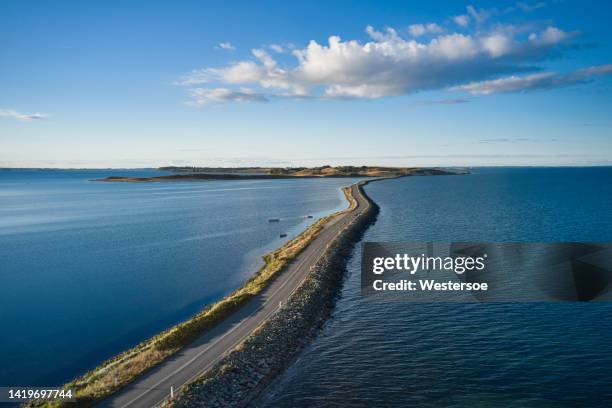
(389, 64)
(508, 84)
(226, 46)
(462, 20)
(596, 70)
(480, 16)
(552, 35)
(544, 80)
(498, 44)
(196, 77)
(417, 30)
(277, 48)
(206, 96)
(380, 36)
(528, 8)
(11, 113)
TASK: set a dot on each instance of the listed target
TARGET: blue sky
(112, 84)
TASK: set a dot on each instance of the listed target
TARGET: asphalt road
(154, 386)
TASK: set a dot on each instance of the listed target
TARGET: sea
(501, 354)
(89, 269)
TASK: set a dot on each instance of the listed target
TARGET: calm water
(467, 355)
(88, 269)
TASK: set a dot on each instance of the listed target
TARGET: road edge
(277, 261)
(242, 376)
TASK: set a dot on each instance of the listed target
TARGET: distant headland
(257, 173)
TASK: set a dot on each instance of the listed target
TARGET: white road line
(191, 360)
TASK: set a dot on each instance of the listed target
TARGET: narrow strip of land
(154, 386)
(209, 174)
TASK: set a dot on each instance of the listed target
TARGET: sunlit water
(476, 354)
(88, 269)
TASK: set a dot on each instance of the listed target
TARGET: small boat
(309, 216)
(283, 235)
(274, 220)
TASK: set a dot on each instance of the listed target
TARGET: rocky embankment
(241, 376)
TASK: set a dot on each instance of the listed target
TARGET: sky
(444, 83)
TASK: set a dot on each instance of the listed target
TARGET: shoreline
(241, 378)
(303, 174)
(116, 373)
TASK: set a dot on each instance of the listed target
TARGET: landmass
(259, 173)
(227, 354)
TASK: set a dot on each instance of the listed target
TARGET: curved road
(154, 386)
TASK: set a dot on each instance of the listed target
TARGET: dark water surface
(88, 269)
(467, 354)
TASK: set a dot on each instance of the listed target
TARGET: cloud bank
(545, 80)
(11, 113)
(207, 96)
(492, 58)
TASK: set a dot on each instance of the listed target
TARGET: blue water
(476, 354)
(88, 269)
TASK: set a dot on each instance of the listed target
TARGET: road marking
(191, 360)
(336, 221)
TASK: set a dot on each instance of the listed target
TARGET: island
(259, 173)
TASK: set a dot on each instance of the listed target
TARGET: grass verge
(119, 371)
